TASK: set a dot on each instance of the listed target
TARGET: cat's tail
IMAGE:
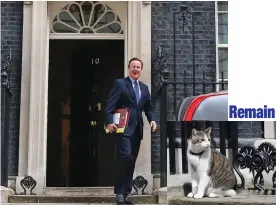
(230, 192)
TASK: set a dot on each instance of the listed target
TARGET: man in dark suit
(129, 93)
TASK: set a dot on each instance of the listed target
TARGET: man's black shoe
(128, 201)
(120, 199)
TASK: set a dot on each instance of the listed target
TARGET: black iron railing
(5, 117)
(186, 89)
(168, 113)
(259, 160)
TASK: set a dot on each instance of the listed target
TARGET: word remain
(264, 112)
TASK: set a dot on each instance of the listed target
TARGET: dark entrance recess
(81, 73)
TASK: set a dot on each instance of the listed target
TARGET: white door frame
(137, 44)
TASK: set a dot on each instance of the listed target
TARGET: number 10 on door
(95, 61)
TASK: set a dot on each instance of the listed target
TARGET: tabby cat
(211, 172)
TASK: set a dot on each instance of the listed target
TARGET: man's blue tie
(136, 89)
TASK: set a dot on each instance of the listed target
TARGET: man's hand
(112, 127)
(153, 126)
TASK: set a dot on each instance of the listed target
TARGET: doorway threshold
(78, 191)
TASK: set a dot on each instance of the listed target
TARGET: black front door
(92, 155)
(87, 155)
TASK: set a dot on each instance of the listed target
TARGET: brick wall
(11, 38)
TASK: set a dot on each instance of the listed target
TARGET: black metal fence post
(185, 14)
(172, 145)
(222, 136)
(160, 81)
(5, 116)
(163, 136)
(184, 144)
(235, 146)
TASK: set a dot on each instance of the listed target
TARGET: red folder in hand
(120, 119)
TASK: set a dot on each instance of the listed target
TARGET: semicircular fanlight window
(87, 17)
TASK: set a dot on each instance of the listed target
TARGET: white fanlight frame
(119, 9)
(85, 22)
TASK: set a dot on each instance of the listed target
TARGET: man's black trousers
(127, 148)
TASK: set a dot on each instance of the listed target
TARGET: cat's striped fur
(212, 175)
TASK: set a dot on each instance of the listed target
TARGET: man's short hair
(135, 59)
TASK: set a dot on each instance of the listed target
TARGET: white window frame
(218, 46)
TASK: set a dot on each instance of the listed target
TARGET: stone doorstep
(146, 199)
(5, 194)
(238, 200)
